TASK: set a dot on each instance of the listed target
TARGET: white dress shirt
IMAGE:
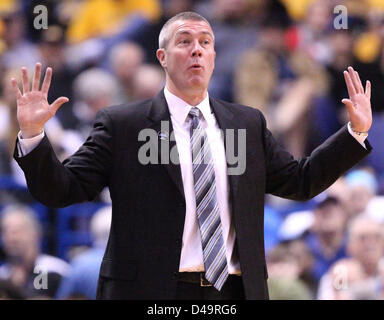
(191, 252)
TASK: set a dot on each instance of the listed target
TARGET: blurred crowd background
(282, 56)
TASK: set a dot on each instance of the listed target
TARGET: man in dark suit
(190, 227)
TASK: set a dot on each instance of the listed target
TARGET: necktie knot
(194, 112)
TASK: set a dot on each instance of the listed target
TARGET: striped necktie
(207, 209)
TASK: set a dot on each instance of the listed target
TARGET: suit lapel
(159, 115)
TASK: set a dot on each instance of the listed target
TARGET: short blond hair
(164, 35)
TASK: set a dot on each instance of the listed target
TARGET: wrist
(27, 134)
(359, 133)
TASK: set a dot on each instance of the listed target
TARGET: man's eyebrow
(208, 33)
(188, 33)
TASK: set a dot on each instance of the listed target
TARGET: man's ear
(160, 54)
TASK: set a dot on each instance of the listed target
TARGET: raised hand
(359, 102)
(33, 109)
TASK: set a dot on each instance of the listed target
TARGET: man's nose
(196, 52)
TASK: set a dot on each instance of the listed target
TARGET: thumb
(58, 103)
(348, 103)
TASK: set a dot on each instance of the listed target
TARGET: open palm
(33, 109)
(359, 102)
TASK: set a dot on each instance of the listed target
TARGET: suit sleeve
(305, 178)
(78, 178)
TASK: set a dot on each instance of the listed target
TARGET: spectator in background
(56, 15)
(375, 70)
(326, 239)
(369, 42)
(375, 208)
(305, 260)
(300, 215)
(148, 80)
(362, 187)
(9, 292)
(284, 270)
(366, 244)
(96, 18)
(228, 20)
(272, 223)
(369, 52)
(310, 35)
(94, 89)
(345, 280)
(82, 281)
(52, 48)
(330, 113)
(21, 234)
(8, 127)
(18, 50)
(93, 27)
(287, 89)
(125, 60)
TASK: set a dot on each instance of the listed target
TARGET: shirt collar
(179, 109)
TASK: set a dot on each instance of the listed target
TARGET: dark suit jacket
(143, 252)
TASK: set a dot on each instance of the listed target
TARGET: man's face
(329, 221)
(359, 198)
(17, 236)
(189, 57)
(366, 242)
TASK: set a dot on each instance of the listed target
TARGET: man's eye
(184, 41)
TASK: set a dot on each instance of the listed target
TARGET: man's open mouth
(196, 66)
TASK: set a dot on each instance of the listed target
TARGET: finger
(350, 87)
(25, 80)
(36, 78)
(16, 89)
(368, 89)
(354, 80)
(349, 104)
(58, 103)
(361, 88)
(47, 81)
